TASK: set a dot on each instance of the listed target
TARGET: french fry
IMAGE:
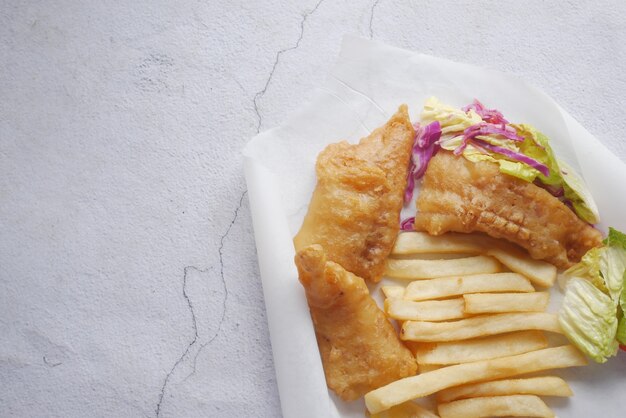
(413, 269)
(539, 272)
(479, 326)
(422, 243)
(426, 384)
(430, 310)
(544, 386)
(499, 406)
(406, 410)
(479, 303)
(393, 292)
(431, 256)
(444, 287)
(485, 348)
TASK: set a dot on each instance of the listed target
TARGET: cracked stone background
(128, 277)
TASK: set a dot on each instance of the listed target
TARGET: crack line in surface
(221, 256)
(372, 18)
(191, 344)
(261, 93)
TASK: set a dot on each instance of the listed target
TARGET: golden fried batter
(359, 347)
(355, 209)
(462, 196)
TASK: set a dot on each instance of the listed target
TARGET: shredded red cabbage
(424, 148)
(423, 156)
(410, 183)
(488, 115)
(517, 156)
(569, 204)
(494, 123)
(408, 224)
(486, 129)
(556, 191)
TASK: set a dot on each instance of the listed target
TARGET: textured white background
(128, 278)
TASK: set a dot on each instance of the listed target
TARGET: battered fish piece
(461, 196)
(359, 347)
(355, 209)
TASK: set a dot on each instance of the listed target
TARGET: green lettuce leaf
(617, 241)
(576, 191)
(537, 146)
(612, 268)
(621, 331)
(588, 318)
(622, 298)
(589, 268)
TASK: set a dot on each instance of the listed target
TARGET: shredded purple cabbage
(488, 115)
(423, 156)
(410, 183)
(513, 155)
(424, 148)
(483, 128)
(408, 224)
(556, 191)
(494, 123)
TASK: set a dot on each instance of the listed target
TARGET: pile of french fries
(473, 318)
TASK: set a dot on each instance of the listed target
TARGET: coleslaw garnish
(514, 155)
(482, 134)
(488, 115)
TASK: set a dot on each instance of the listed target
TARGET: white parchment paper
(368, 83)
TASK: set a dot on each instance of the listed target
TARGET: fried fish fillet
(359, 347)
(355, 209)
(462, 196)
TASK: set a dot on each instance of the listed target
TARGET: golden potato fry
(413, 269)
(499, 406)
(431, 256)
(479, 303)
(539, 272)
(477, 349)
(393, 292)
(430, 310)
(422, 243)
(479, 326)
(406, 410)
(444, 287)
(426, 384)
(544, 386)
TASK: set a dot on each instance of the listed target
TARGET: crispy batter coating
(355, 209)
(359, 347)
(462, 196)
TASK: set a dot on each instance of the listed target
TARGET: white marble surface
(128, 278)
